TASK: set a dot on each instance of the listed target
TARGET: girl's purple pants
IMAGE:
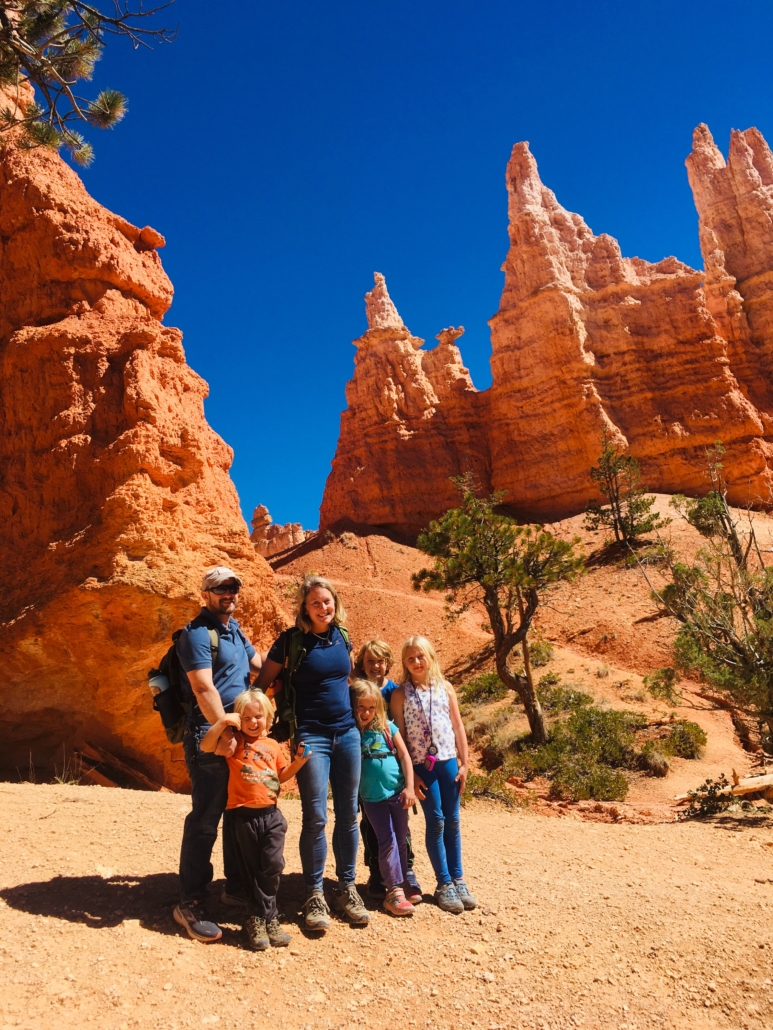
(390, 822)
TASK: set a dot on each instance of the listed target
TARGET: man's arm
(208, 699)
(256, 662)
(268, 673)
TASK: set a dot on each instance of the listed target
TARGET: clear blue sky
(289, 150)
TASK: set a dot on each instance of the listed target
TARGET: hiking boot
(468, 900)
(448, 900)
(276, 935)
(412, 888)
(395, 903)
(315, 912)
(375, 888)
(257, 936)
(348, 902)
(191, 916)
(234, 900)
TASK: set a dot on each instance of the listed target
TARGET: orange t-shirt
(253, 772)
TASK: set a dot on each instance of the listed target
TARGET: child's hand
(408, 798)
(419, 786)
(461, 777)
(302, 755)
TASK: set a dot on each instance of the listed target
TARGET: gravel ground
(580, 924)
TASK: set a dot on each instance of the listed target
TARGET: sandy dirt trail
(580, 924)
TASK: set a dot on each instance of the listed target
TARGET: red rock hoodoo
(114, 491)
(668, 358)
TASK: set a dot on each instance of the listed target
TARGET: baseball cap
(220, 574)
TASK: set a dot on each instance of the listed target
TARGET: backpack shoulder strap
(295, 652)
(214, 644)
(345, 634)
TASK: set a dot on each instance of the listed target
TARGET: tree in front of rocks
(627, 508)
(484, 557)
(53, 47)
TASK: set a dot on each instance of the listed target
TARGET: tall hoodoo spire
(380, 308)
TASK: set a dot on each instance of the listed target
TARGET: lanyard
(431, 749)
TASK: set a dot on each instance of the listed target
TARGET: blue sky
(287, 151)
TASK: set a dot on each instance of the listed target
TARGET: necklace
(427, 728)
(326, 638)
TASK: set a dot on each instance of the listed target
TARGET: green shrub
(555, 698)
(483, 689)
(711, 797)
(540, 653)
(578, 780)
(493, 786)
(686, 740)
(653, 760)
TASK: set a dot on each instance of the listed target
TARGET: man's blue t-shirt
(321, 682)
(231, 674)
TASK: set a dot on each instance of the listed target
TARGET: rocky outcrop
(114, 491)
(667, 358)
(413, 419)
(270, 538)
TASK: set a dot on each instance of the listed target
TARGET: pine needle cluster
(53, 46)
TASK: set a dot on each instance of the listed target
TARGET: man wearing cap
(213, 688)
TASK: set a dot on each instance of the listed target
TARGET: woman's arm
(460, 734)
(297, 763)
(268, 673)
(211, 738)
(397, 709)
(408, 795)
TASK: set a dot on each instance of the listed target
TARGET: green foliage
(711, 797)
(53, 45)
(540, 653)
(493, 786)
(627, 510)
(483, 689)
(555, 698)
(685, 740)
(662, 685)
(578, 779)
(653, 759)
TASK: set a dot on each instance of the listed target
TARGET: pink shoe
(396, 903)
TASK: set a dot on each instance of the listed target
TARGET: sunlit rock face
(667, 358)
(114, 491)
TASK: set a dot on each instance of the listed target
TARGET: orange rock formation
(270, 538)
(667, 358)
(114, 491)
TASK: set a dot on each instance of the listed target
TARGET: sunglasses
(225, 588)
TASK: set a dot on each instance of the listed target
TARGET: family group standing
(370, 741)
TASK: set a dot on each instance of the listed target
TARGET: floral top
(427, 715)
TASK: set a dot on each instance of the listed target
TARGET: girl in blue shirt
(386, 790)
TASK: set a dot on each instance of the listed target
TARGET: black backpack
(173, 703)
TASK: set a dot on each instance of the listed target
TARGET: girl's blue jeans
(441, 813)
(334, 760)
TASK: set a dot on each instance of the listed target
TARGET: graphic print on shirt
(252, 772)
(427, 715)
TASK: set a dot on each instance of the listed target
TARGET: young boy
(256, 768)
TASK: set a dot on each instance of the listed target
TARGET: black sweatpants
(259, 835)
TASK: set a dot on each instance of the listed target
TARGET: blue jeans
(209, 793)
(335, 760)
(441, 813)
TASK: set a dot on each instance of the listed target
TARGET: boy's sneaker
(315, 912)
(257, 937)
(448, 899)
(396, 903)
(375, 888)
(348, 902)
(468, 900)
(412, 888)
(234, 900)
(276, 935)
(191, 916)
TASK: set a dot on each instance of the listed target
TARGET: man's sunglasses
(225, 588)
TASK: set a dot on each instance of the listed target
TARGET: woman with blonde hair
(324, 720)
(427, 714)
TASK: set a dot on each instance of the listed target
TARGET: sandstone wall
(667, 357)
(114, 491)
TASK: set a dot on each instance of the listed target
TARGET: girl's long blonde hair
(302, 620)
(435, 677)
(379, 649)
(364, 688)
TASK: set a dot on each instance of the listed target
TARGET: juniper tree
(723, 600)
(483, 557)
(54, 46)
(628, 509)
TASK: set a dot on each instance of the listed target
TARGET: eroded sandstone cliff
(114, 491)
(666, 357)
